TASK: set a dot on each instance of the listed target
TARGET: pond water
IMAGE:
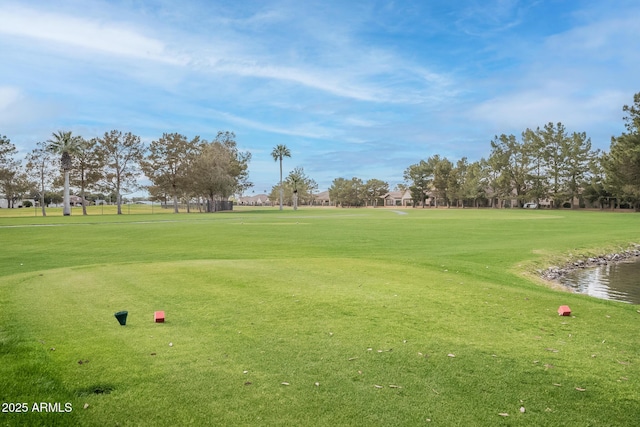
(619, 282)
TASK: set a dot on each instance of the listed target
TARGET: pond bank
(555, 273)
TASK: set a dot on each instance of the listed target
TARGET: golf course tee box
(315, 317)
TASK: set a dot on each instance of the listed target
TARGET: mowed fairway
(315, 317)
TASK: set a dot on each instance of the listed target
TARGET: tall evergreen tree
(442, 170)
(555, 141)
(419, 178)
(122, 154)
(512, 157)
(40, 164)
(499, 177)
(374, 188)
(220, 169)
(8, 167)
(622, 164)
(533, 145)
(7, 151)
(168, 162)
(596, 189)
(88, 167)
(578, 157)
(474, 186)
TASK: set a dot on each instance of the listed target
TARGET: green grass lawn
(127, 209)
(314, 317)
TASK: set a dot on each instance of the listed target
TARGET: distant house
(322, 199)
(397, 198)
(257, 200)
(78, 201)
(4, 203)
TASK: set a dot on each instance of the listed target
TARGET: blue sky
(353, 88)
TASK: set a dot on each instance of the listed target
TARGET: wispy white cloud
(371, 74)
(581, 77)
(106, 37)
(315, 79)
(354, 88)
(8, 96)
(532, 108)
(485, 18)
(307, 130)
(617, 37)
(20, 113)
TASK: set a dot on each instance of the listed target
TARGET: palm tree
(280, 151)
(66, 145)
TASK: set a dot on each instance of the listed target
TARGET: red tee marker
(564, 310)
(158, 316)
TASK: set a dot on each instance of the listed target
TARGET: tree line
(547, 164)
(178, 168)
(543, 164)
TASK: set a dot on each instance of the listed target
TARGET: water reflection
(619, 282)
